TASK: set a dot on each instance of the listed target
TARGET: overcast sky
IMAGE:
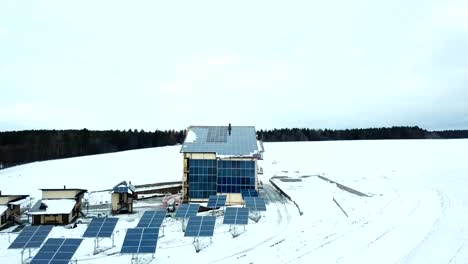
(170, 64)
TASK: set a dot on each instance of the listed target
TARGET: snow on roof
(191, 136)
(234, 141)
(55, 206)
(19, 201)
(123, 187)
(3, 209)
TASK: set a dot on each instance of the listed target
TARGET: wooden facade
(12, 209)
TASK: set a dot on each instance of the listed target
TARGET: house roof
(55, 206)
(240, 141)
(3, 209)
(19, 201)
(123, 187)
(15, 198)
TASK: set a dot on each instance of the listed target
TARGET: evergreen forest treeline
(20, 147)
(401, 132)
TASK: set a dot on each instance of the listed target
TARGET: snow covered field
(95, 173)
(415, 209)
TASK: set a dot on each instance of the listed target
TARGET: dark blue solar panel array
(187, 210)
(121, 189)
(57, 251)
(255, 203)
(31, 237)
(140, 240)
(101, 227)
(200, 226)
(152, 218)
(236, 216)
(241, 142)
(249, 193)
(215, 201)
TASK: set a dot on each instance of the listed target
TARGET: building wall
(59, 219)
(127, 198)
(3, 219)
(115, 201)
(6, 199)
(59, 194)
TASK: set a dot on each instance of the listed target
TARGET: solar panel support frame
(135, 258)
(255, 216)
(198, 245)
(234, 230)
(22, 254)
(96, 243)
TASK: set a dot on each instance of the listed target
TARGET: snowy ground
(415, 211)
(95, 173)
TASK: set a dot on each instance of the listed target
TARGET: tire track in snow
(275, 198)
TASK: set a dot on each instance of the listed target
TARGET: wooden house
(10, 209)
(57, 206)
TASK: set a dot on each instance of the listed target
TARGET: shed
(122, 196)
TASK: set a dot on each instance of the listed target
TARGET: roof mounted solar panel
(187, 210)
(101, 227)
(200, 226)
(57, 251)
(236, 216)
(152, 218)
(31, 237)
(215, 201)
(121, 189)
(241, 142)
(217, 135)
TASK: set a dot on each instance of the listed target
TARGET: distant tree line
(19, 147)
(401, 132)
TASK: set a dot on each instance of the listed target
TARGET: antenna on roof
(229, 129)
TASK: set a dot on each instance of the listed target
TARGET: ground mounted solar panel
(236, 216)
(140, 240)
(187, 210)
(255, 203)
(57, 251)
(200, 226)
(152, 218)
(101, 227)
(249, 193)
(215, 201)
(31, 237)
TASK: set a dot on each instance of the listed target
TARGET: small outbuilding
(57, 206)
(122, 198)
(10, 209)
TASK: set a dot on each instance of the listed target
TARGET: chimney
(64, 187)
(229, 129)
(0, 192)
